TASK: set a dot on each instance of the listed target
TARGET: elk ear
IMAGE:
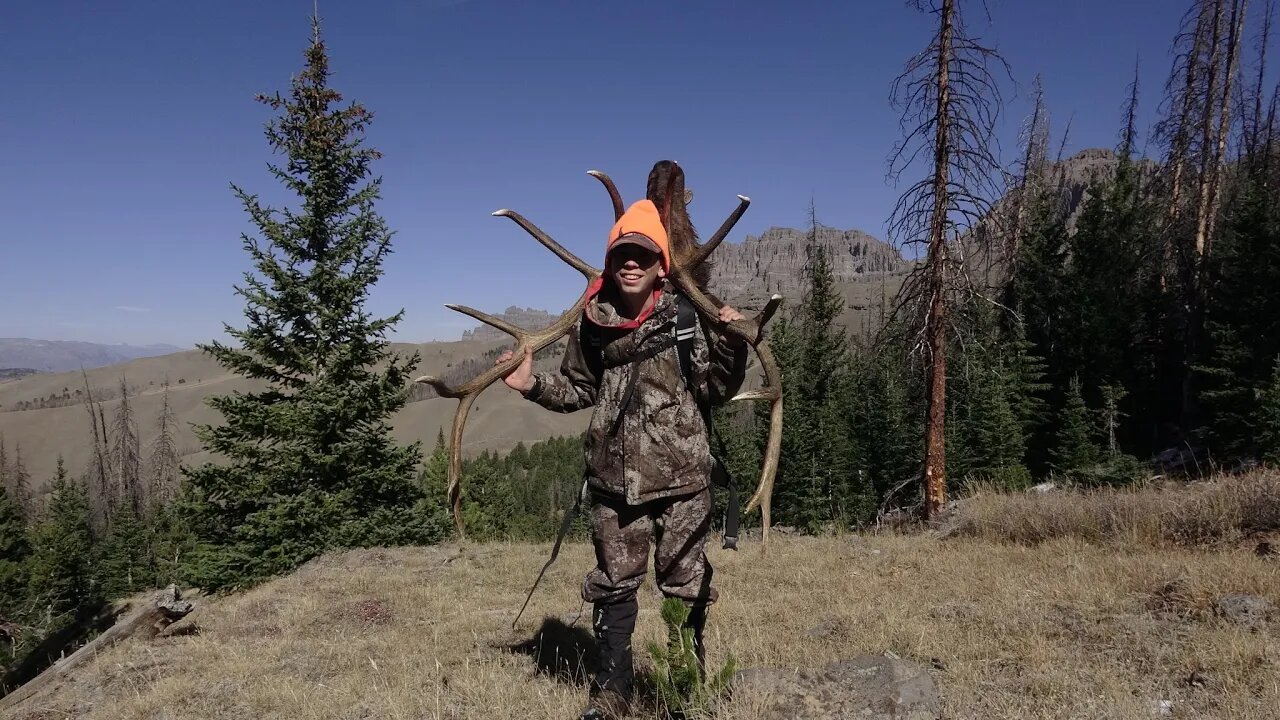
(688, 196)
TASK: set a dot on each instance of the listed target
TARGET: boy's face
(634, 270)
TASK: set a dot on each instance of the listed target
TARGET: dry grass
(1062, 630)
(1223, 511)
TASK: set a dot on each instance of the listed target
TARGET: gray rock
(1251, 611)
(866, 687)
(774, 261)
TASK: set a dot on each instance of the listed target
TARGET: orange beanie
(642, 218)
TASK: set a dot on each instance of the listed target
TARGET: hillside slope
(1059, 631)
(499, 420)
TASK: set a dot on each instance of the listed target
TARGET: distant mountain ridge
(746, 273)
(774, 261)
(67, 355)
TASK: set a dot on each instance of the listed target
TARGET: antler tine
(574, 261)
(770, 308)
(722, 233)
(469, 391)
(614, 195)
(490, 320)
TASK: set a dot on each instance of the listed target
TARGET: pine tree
(891, 427)
(312, 464)
(830, 492)
(20, 481)
(1243, 322)
(61, 576)
(4, 464)
(125, 564)
(950, 100)
(1269, 420)
(1076, 448)
(15, 546)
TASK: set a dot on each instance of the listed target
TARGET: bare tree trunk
(1182, 135)
(935, 459)
(1034, 157)
(164, 461)
(99, 489)
(1238, 10)
(950, 100)
(125, 454)
(1207, 170)
(1253, 133)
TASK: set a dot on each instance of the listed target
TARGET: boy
(647, 453)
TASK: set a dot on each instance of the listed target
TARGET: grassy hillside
(1061, 629)
(499, 420)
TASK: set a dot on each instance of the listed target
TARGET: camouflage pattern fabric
(660, 448)
(621, 534)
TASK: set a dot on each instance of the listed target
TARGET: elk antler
(752, 331)
(534, 341)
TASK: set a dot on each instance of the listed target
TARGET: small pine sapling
(677, 677)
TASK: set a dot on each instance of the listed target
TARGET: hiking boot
(612, 687)
(606, 705)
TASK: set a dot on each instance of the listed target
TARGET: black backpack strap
(686, 330)
(592, 346)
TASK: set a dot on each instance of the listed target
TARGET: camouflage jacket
(660, 447)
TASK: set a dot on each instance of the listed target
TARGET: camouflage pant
(621, 534)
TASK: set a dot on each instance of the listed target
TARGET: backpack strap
(592, 346)
(686, 330)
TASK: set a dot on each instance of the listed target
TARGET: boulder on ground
(867, 687)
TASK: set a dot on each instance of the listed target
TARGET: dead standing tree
(949, 100)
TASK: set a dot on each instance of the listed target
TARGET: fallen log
(166, 607)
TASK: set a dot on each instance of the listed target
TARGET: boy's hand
(521, 378)
(728, 314)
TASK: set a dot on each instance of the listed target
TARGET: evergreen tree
(20, 482)
(125, 564)
(993, 402)
(61, 576)
(4, 465)
(890, 427)
(311, 462)
(1243, 322)
(1269, 425)
(15, 546)
(1076, 448)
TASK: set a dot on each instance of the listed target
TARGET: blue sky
(123, 126)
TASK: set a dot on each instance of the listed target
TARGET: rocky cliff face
(527, 318)
(774, 261)
(746, 273)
